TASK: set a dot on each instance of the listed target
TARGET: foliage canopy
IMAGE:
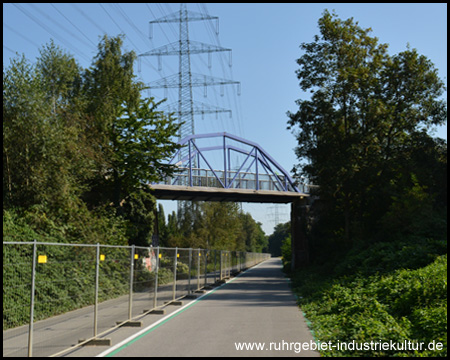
(378, 231)
(364, 126)
(82, 144)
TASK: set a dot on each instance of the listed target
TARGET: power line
(213, 34)
(50, 31)
(76, 27)
(51, 19)
(88, 18)
(21, 35)
(9, 49)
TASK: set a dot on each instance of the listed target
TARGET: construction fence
(110, 285)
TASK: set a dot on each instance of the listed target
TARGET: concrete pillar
(299, 241)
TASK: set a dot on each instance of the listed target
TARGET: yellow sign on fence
(42, 259)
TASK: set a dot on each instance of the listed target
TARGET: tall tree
(62, 84)
(251, 237)
(109, 87)
(220, 225)
(141, 143)
(24, 133)
(364, 106)
(280, 233)
(216, 225)
(61, 76)
(76, 141)
(136, 137)
(43, 159)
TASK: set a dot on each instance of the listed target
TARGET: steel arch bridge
(229, 168)
(240, 171)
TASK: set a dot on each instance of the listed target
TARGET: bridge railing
(234, 180)
(96, 287)
(229, 180)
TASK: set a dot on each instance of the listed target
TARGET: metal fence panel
(17, 277)
(71, 292)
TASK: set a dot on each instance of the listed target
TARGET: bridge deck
(200, 193)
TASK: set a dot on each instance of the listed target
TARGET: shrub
(404, 305)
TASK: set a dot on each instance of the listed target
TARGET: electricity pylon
(185, 79)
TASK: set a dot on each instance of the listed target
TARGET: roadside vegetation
(377, 230)
(381, 293)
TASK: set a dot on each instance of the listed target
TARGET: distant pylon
(276, 216)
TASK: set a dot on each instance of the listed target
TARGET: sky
(264, 39)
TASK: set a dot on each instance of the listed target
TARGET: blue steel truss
(255, 169)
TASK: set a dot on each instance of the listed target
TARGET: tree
(135, 137)
(61, 77)
(252, 237)
(141, 143)
(280, 234)
(77, 141)
(72, 157)
(24, 133)
(43, 158)
(215, 225)
(220, 225)
(162, 226)
(110, 84)
(364, 109)
(109, 87)
(137, 209)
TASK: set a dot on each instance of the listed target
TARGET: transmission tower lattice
(276, 216)
(185, 79)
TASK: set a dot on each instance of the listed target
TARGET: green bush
(286, 252)
(66, 282)
(404, 305)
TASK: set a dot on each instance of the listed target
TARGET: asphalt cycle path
(255, 314)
